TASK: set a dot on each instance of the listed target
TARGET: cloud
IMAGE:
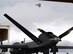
(4, 3)
(28, 13)
(55, 17)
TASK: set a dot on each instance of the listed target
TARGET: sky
(51, 16)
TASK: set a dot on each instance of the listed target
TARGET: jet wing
(20, 48)
(13, 46)
(64, 47)
(29, 34)
(24, 47)
(68, 1)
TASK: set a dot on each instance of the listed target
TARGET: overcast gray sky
(51, 16)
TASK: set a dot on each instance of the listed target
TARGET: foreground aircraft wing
(24, 46)
(64, 47)
(68, 1)
(26, 49)
(13, 46)
(29, 34)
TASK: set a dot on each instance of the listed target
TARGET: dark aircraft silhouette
(45, 41)
(39, 4)
(67, 1)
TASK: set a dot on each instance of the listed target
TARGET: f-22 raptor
(39, 4)
(45, 40)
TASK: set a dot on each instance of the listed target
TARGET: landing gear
(46, 51)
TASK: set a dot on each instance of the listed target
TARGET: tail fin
(29, 34)
(66, 33)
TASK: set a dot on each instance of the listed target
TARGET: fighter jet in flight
(39, 4)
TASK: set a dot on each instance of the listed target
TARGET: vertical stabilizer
(29, 34)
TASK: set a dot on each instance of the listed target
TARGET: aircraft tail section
(29, 34)
(66, 33)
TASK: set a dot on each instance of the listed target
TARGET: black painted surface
(66, 1)
(29, 34)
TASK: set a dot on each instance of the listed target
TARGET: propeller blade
(66, 33)
(29, 34)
